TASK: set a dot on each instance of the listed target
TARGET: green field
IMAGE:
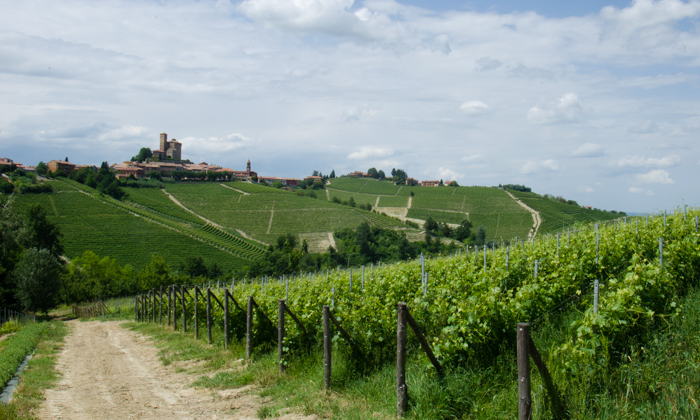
(557, 216)
(266, 212)
(88, 224)
(490, 207)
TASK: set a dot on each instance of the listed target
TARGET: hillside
(557, 216)
(490, 207)
(232, 223)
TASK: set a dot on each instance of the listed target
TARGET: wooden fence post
(249, 329)
(280, 335)
(327, 347)
(184, 309)
(160, 312)
(153, 304)
(174, 291)
(169, 303)
(136, 308)
(524, 402)
(226, 320)
(196, 312)
(209, 315)
(401, 389)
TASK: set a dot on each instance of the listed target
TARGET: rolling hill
(232, 223)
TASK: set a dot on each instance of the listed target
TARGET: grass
(39, 375)
(385, 201)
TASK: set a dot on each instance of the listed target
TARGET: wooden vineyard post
(401, 389)
(524, 404)
(249, 329)
(226, 320)
(153, 296)
(280, 335)
(196, 312)
(174, 305)
(136, 308)
(327, 347)
(184, 309)
(160, 312)
(169, 303)
(209, 315)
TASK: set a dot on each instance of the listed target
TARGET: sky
(594, 101)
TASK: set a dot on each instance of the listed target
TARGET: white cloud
(473, 159)
(647, 127)
(657, 176)
(125, 132)
(561, 111)
(588, 150)
(361, 112)
(217, 145)
(642, 162)
(371, 152)
(533, 167)
(585, 189)
(635, 190)
(448, 174)
(474, 108)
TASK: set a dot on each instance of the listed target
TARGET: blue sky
(594, 101)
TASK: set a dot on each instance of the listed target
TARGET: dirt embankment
(109, 372)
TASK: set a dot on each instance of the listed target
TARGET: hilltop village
(166, 161)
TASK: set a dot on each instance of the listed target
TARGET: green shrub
(18, 347)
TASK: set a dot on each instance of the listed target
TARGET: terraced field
(265, 213)
(557, 216)
(492, 208)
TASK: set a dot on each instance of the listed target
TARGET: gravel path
(109, 372)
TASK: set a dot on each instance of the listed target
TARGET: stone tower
(247, 168)
(164, 142)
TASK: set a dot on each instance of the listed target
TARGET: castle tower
(247, 168)
(164, 142)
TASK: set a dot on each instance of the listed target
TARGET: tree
(155, 175)
(332, 175)
(194, 267)
(277, 183)
(442, 184)
(381, 174)
(315, 173)
(430, 225)
(41, 168)
(373, 173)
(38, 280)
(254, 178)
(463, 232)
(480, 238)
(412, 194)
(66, 158)
(40, 232)
(454, 184)
(143, 154)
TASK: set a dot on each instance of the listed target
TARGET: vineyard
(467, 306)
(132, 231)
(265, 213)
(556, 215)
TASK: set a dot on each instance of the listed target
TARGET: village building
(64, 166)
(314, 178)
(430, 183)
(168, 149)
(411, 181)
(358, 174)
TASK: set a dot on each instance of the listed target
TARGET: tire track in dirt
(109, 372)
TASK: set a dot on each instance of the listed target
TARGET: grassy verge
(39, 374)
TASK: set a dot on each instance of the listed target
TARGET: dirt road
(109, 372)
